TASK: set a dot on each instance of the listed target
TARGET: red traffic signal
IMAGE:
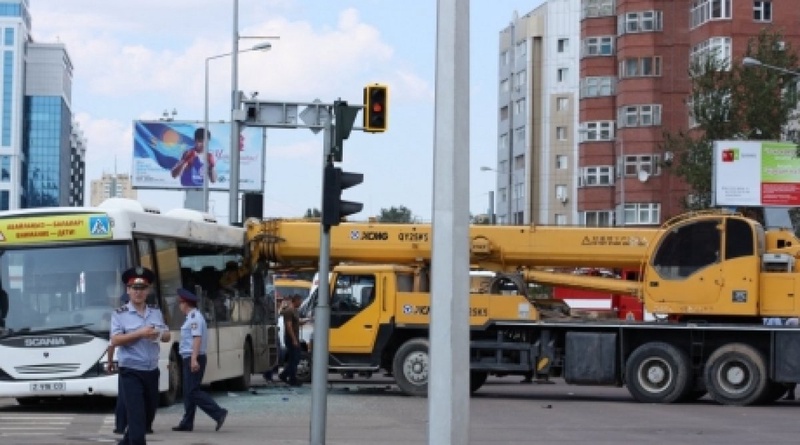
(376, 105)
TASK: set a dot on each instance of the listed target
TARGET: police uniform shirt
(142, 354)
(194, 326)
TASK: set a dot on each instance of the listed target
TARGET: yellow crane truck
(709, 278)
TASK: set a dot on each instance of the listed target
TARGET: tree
(312, 213)
(731, 101)
(396, 215)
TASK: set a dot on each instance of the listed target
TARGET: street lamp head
(264, 46)
(749, 61)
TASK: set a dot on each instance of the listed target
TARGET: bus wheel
(477, 379)
(658, 372)
(410, 367)
(242, 383)
(174, 380)
(736, 374)
(304, 367)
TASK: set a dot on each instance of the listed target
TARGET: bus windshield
(61, 286)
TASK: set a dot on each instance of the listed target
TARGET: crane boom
(496, 248)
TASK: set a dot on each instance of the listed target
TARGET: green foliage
(732, 101)
(396, 215)
(312, 213)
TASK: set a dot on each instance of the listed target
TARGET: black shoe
(284, 378)
(221, 420)
(117, 431)
(180, 428)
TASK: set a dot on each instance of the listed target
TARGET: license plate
(48, 386)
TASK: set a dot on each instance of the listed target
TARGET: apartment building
(632, 86)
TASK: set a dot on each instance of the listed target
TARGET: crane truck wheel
(658, 372)
(411, 365)
(736, 374)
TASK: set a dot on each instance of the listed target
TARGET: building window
(598, 46)
(562, 103)
(561, 193)
(641, 21)
(597, 86)
(504, 113)
(8, 38)
(519, 162)
(718, 49)
(502, 143)
(504, 86)
(519, 106)
(8, 81)
(762, 11)
(642, 213)
(562, 74)
(597, 131)
(520, 132)
(707, 10)
(5, 168)
(504, 58)
(641, 67)
(634, 164)
(563, 45)
(596, 176)
(561, 162)
(561, 133)
(520, 79)
(521, 48)
(597, 8)
(596, 218)
(5, 203)
(639, 116)
(560, 219)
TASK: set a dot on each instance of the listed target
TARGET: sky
(134, 60)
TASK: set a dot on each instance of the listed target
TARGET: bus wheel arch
(658, 372)
(411, 367)
(736, 374)
(242, 383)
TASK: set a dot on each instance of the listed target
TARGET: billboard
(756, 173)
(165, 156)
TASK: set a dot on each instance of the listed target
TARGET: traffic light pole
(322, 318)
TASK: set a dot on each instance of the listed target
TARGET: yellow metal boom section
(496, 248)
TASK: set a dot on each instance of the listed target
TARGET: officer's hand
(111, 367)
(149, 332)
(195, 365)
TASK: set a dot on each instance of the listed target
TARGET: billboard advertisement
(170, 155)
(756, 173)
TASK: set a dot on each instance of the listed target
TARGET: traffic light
(333, 208)
(376, 108)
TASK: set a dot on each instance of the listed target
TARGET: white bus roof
(128, 216)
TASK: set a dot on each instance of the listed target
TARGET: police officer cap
(187, 296)
(138, 277)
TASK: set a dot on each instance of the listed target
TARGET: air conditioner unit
(563, 199)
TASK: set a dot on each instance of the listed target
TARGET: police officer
(136, 329)
(194, 340)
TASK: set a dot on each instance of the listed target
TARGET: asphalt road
(370, 412)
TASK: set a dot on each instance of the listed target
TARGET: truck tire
(242, 383)
(477, 379)
(174, 381)
(658, 372)
(736, 374)
(410, 367)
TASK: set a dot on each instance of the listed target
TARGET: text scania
(45, 341)
(374, 236)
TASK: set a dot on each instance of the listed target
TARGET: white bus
(60, 276)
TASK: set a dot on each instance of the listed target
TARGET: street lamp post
(234, 148)
(508, 194)
(749, 61)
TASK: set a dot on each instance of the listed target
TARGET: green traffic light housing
(376, 108)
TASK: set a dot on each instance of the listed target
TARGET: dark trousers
(120, 416)
(292, 359)
(194, 396)
(139, 390)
